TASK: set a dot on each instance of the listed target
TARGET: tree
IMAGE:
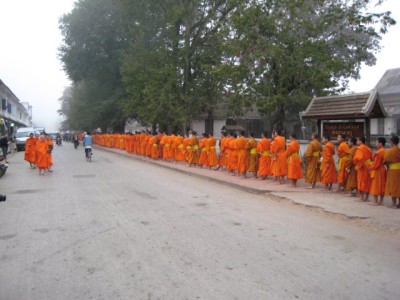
(288, 51)
(91, 53)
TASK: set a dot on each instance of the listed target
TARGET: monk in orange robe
(279, 148)
(378, 172)
(242, 155)
(252, 154)
(186, 147)
(50, 146)
(203, 161)
(222, 151)
(172, 148)
(165, 142)
(363, 160)
(392, 159)
(233, 158)
(30, 150)
(148, 145)
(228, 151)
(351, 173)
(312, 156)
(342, 149)
(179, 148)
(212, 152)
(41, 154)
(328, 169)
(294, 171)
(194, 150)
(264, 151)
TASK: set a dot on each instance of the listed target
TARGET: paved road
(119, 228)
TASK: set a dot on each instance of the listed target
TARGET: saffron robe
(251, 148)
(351, 176)
(392, 157)
(264, 150)
(328, 168)
(242, 162)
(280, 167)
(212, 152)
(30, 150)
(378, 174)
(341, 153)
(293, 161)
(362, 160)
(312, 156)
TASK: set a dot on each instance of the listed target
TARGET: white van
(22, 135)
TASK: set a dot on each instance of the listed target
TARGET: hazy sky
(29, 66)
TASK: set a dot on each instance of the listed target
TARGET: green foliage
(167, 62)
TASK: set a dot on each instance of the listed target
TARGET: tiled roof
(352, 106)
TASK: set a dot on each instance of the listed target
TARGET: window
(381, 126)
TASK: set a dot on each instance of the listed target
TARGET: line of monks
(357, 171)
(38, 149)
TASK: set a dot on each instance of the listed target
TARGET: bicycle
(88, 153)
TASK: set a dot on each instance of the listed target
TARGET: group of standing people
(38, 152)
(239, 155)
(358, 170)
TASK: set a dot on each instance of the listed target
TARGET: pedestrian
(378, 172)
(313, 164)
(294, 171)
(328, 168)
(392, 159)
(4, 146)
(363, 160)
(342, 149)
(264, 150)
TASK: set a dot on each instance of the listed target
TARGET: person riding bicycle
(87, 143)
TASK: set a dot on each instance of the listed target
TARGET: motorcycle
(3, 166)
(58, 141)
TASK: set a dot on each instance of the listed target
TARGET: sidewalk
(377, 217)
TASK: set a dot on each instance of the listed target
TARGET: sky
(30, 38)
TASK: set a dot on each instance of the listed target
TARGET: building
(388, 88)
(14, 113)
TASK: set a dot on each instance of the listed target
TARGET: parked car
(22, 135)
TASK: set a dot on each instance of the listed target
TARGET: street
(120, 228)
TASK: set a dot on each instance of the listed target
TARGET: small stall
(346, 114)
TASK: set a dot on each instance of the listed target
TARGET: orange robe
(233, 159)
(351, 177)
(362, 160)
(243, 159)
(280, 168)
(186, 147)
(328, 168)
(378, 174)
(341, 153)
(179, 149)
(203, 161)
(313, 154)
(392, 157)
(172, 149)
(49, 157)
(194, 150)
(212, 152)
(264, 149)
(41, 154)
(293, 161)
(222, 152)
(251, 148)
(30, 150)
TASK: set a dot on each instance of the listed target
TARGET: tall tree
(287, 51)
(91, 53)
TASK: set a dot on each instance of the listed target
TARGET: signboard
(349, 129)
